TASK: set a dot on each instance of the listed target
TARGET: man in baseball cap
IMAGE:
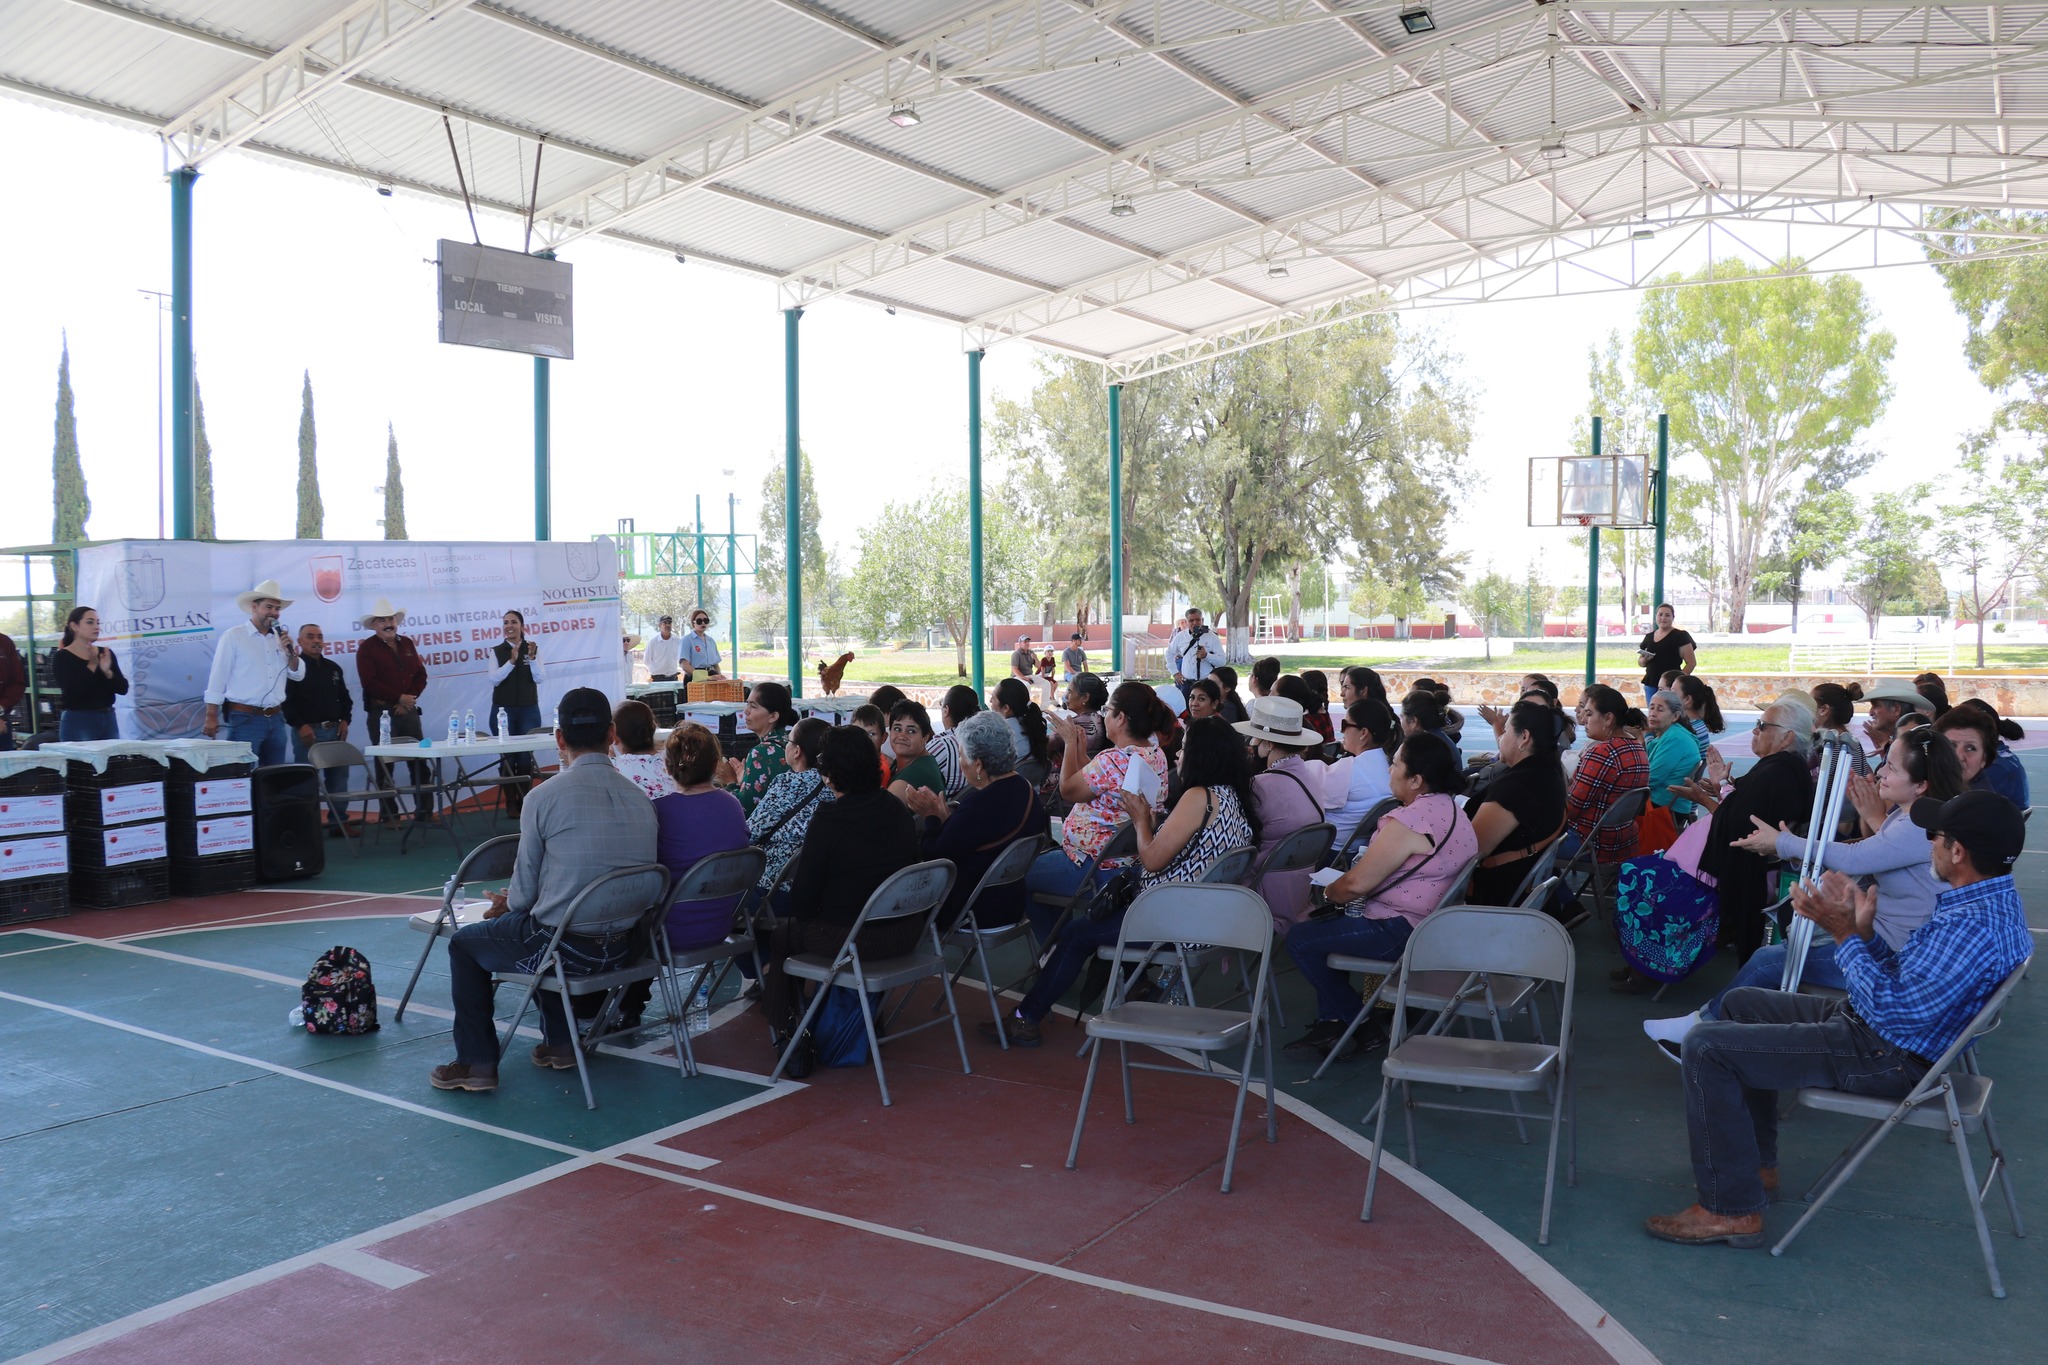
(1906, 1007)
(586, 821)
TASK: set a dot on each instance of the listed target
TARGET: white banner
(34, 858)
(136, 801)
(31, 815)
(134, 844)
(220, 796)
(232, 835)
(163, 603)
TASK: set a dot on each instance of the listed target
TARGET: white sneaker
(1671, 1031)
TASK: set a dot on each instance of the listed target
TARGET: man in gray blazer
(587, 820)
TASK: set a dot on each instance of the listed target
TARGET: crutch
(1828, 792)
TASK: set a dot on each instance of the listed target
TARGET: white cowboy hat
(267, 588)
(1277, 721)
(1903, 693)
(383, 607)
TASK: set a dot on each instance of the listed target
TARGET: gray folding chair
(918, 890)
(1123, 844)
(1954, 1097)
(1231, 868)
(1495, 943)
(1545, 862)
(1362, 834)
(1586, 862)
(549, 974)
(339, 753)
(489, 861)
(1231, 917)
(967, 932)
(732, 872)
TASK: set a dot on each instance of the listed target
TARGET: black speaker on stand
(289, 840)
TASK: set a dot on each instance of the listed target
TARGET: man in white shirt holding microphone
(252, 662)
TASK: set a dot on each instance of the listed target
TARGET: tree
(1373, 597)
(1628, 426)
(1695, 531)
(1537, 598)
(203, 525)
(2004, 300)
(1997, 536)
(312, 515)
(771, 598)
(71, 507)
(1571, 603)
(1493, 601)
(1771, 378)
(394, 487)
(1821, 530)
(913, 574)
(1888, 558)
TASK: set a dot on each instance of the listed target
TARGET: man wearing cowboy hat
(392, 677)
(1889, 700)
(251, 665)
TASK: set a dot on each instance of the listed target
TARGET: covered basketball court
(1145, 184)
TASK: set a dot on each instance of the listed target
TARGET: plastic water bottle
(297, 1018)
(454, 728)
(384, 728)
(504, 724)
(469, 726)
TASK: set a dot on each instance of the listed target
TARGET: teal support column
(976, 626)
(792, 504)
(1664, 507)
(699, 600)
(183, 383)
(1116, 528)
(1593, 585)
(732, 578)
(543, 442)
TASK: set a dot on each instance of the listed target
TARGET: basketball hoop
(1583, 519)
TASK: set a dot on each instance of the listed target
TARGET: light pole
(163, 303)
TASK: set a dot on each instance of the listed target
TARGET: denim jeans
(1054, 874)
(1769, 1041)
(402, 727)
(77, 726)
(302, 750)
(267, 735)
(514, 942)
(1071, 954)
(519, 720)
(1766, 968)
(1312, 941)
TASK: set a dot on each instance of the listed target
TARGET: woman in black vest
(515, 690)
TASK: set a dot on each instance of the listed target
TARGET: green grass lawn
(932, 668)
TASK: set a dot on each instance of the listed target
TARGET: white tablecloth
(486, 746)
(15, 761)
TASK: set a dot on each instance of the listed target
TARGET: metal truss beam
(281, 84)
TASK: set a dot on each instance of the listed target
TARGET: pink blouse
(1442, 820)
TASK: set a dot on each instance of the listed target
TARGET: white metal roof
(1140, 181)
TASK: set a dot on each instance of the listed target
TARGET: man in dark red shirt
(13, 682)
(392, 677)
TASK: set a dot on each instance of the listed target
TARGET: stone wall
(2012, 696)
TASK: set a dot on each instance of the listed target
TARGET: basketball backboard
(1590, 490)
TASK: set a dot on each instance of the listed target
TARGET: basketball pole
(1593, 583)
(1663, 505)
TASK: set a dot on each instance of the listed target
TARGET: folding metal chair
(1229, 869)
(646, 965)
(1302, 851)
(1123, 844)
(1587, 863)
(920, 889)
(1494, 943)
(967, 934)
(732, 872)
(1953, 1097)
(489, 861)
(339, 753)
(1361, 835)
(1230, 917)
(1540, 872)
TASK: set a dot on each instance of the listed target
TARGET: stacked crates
(212, 828)
(120, 850)
(35, 862)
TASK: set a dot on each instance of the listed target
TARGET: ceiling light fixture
(1418, 20)
(1122, 207)
(1276, 270)
(905, 116)
(1552, 147)
(681, 259)
(384, 190)
(1643, 232)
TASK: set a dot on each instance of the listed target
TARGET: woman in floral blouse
(769, 715)
(783, 816)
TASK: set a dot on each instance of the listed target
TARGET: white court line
(378, 1271)
(235, 921)
(689, 1161)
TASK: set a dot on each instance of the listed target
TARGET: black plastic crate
(181, 788)
(214, 876)
(663, 704)
(85, 789)
(114, 888)
(182, 837)
(89, 850)
(33, 782)
(736, 746)
(29, 898)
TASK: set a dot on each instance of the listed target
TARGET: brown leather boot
(1697, 1227)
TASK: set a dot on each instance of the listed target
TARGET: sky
(676, 389)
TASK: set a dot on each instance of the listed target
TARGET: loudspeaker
(289, 840)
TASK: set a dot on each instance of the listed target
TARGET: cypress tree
(312, 516)
(394, 488)
(67, 489)
(202, 471)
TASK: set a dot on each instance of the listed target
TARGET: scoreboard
(505, 300)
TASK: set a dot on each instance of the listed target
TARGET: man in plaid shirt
(1905, 1008)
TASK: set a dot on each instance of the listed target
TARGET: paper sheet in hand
(1140, 778)
(1324, 876)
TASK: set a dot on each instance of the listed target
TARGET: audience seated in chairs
(1225, 677)
(1674, 756)
(1668, 917)
(768, 717)
(1317, 716)
(911, 768)
(1360, 780)
(1423, 713)
(875, 721)
(1027, 727)
(1265, 677)
(1894, 853)
(1521, 812)
(1415, 855)
(853, 845)
(1613, 765)
(1214, 815)
(1930, 686)
(884, 699)
(1702, 709)
(1979, 734)
(960, 702)
(1093, 786)
(1359, 683)
(1204, 699)
(1000, 807)
(633, 754)
(1834, 708)
(1287, 797)
(1905, 1006)
(582, 823)
(782, 817)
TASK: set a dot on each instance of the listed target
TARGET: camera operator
(1194, 651)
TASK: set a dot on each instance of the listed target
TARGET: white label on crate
(228, 834)
(31, 815)
(139, 801)
(222, 796)
(134, 844)
(34, 858)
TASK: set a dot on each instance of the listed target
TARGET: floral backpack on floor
(338, 996)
